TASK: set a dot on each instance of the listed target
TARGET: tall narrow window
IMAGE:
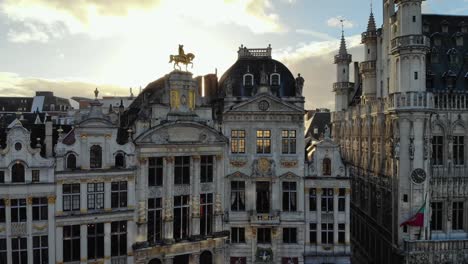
(3, 250)
(2, 176)
(17, 173)
(155, 220)
(436, 216)
(458, 150)
(313, 233)
(2, 211)
(71, 161)
(312, 199)
(289, 196)
(275, 79)
(40, 250)
(206, 213)
(71, 243)
(181, 217)
(182, 170)
(206, 169)
(96, 196)
(119, 194)
(95, 157)
(326, 167)
(237, 196)
(155, 171)
(416, 76)
(120, 160)
(119, 238)
(457, 223)
(95, 241)
(438, 150)
(263, 141)
(19, 252)
(237, 141)
(71, 197)
(288, 141)
(341, 233)
(237, 235)
(341, 199)
(289, 235)
(327, 200)
(327, 233)
(35, 175)
(263, 197)
(39, 208)
(264, 235)
(248, 79)
(18, 210)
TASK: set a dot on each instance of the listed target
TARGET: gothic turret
(368, 67)
(342, 87)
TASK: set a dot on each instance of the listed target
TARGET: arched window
(17, 173)
(326, 166)
(120, 160)
(275, 79)
(206, 257)
(71, 161)
(155, 261)
(248, 79)
(95, 157)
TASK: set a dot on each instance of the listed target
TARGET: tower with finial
(368, 68)
(342, 87)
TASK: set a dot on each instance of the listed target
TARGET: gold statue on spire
(182, 58)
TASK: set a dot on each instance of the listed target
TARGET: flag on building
(417, 219)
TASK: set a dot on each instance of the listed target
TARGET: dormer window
(248, 79)
(445, 26)
(120, 160)
(326, 167)
(71, 161)
(275, 79)
(17, 173)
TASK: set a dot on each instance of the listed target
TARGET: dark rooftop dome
(243, 77)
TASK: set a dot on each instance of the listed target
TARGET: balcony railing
(411, 100)
(410, 41)
(343, 58)
(446, 101)
(368, 35)
(265, 218)
(342, 85)
(435, 246)
(244, 52)
(119, 260)
(367, 66)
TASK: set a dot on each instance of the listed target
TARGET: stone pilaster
(84, 244)
(347, 216)
(107, 243)
(59, 201)
(83, 196)
(142, 188)
(195, 200)
(51, 226)
(131, 231)
(29, 227)
(319, 216)
(107, 195)
(336, 191)
(131, 192)
(219, 256)
(8, 228)
(58, 244)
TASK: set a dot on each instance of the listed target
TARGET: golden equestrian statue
(182, 58)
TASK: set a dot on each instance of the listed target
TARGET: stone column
(336, 191)
(142, 188)
(59, 201)
(168, 216)
(347, 216)
(131, 229)
(319, 216)
(276, 196)
(195, 202)
(84, 244)
(107, 243)
(51, 227)
(218, 177)
(83, 196)
(250, 195)
(168, 260)
(219, 256)
(8, 228)
(58, 245)
(107, 195)
(131, 192)
(29, 228)
(301, 192)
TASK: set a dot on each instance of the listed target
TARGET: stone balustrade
(449, 101)
(413, 100)
(367, 66)
(342, 86)
(265, 218)
(435, 246)
(410, 41)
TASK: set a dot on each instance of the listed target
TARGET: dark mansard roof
(249, 63)
(447, 62)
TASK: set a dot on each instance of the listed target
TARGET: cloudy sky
(71, 47)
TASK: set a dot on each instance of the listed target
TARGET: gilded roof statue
(183, 58)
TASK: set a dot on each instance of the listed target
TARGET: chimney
(48, 137)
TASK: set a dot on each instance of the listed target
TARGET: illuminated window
(237, 141)
(263, 141)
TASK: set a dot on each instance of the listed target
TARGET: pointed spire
(371, 24)
(343, 41)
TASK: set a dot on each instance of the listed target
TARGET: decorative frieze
(238, 162)
(288, 163)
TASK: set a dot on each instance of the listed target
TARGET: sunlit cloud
(336, 22)
(102, 18)
(315, 34)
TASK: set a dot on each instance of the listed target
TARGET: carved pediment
(289, 175)
(238, 175)
(265, 103)
(187, 132)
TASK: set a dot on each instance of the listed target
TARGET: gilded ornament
(191, 100)
(29, 200)
(288, 163)
(238, 163)
(51, 199)
(183, 58)
(175, 101)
